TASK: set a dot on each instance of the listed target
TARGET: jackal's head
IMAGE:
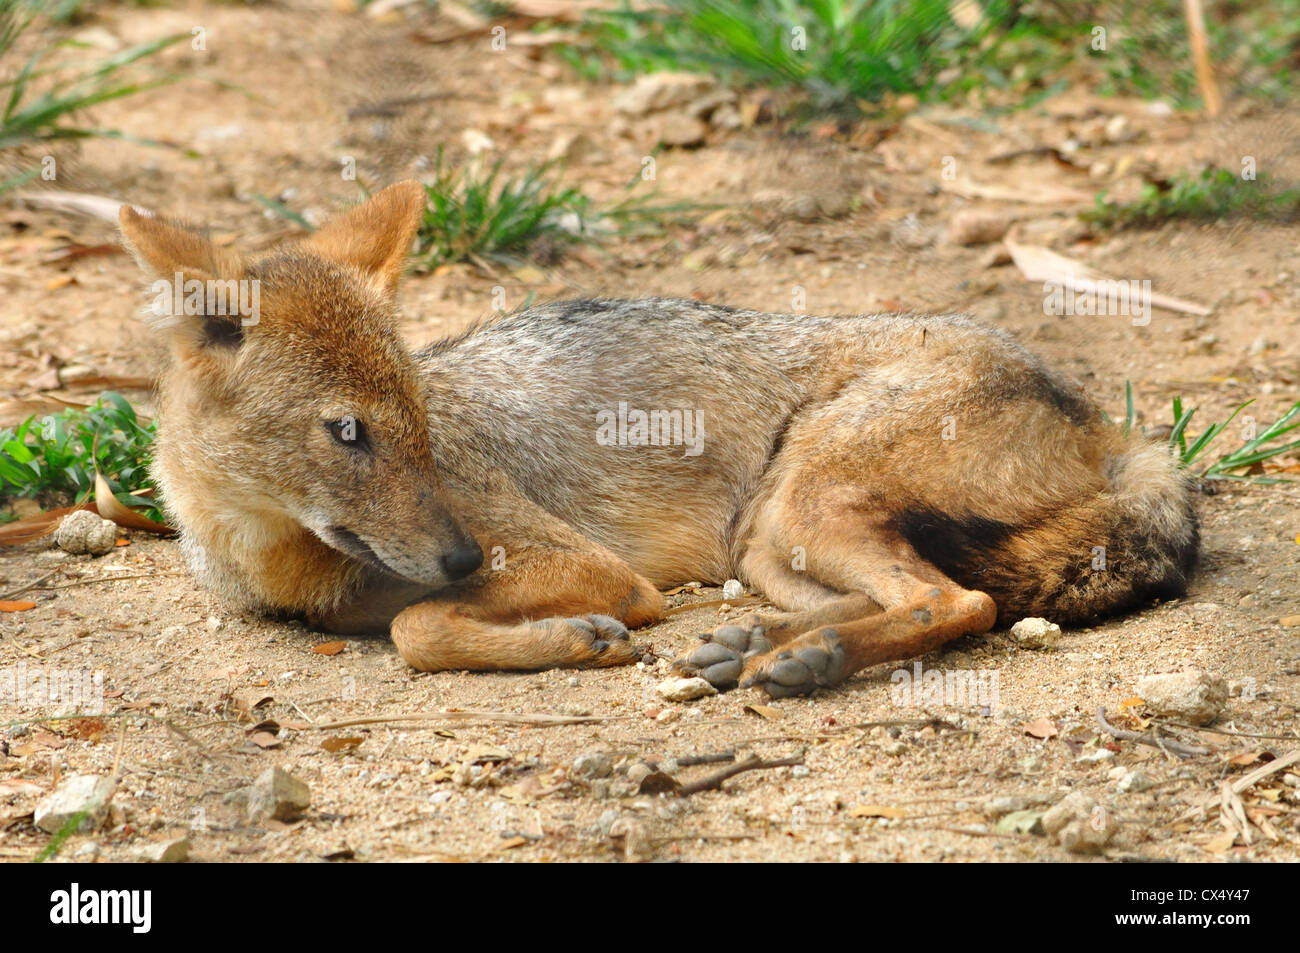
(290, 401)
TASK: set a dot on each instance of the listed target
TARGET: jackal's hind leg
(721, 657)
(827, 655)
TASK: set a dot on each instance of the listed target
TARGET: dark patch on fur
(1060, 585)
(957, 545)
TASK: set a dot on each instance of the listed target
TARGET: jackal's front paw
(720, 660)
(815, 661)
(596, 641)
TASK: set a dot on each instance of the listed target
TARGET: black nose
(462, 560)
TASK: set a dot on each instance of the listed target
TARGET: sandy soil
(265, 109)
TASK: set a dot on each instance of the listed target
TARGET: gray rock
(658, 91)
(1079, 824)
(80, 793)
(172, 851)
(593, 764)
(1035, 633)
(998, 806)
(1192, 696)
(682, 131)
(1134, 781)
(278, 795)
(685, 689)
(85, 532)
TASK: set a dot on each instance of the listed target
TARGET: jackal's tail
(1130, 540)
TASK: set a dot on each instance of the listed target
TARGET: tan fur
(892, 481)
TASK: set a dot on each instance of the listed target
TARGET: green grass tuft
(55, 458)
(1253, 451)
(477, 213)
(1214, 195)
(40, 101)
(837, 51)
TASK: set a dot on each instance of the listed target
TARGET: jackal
(517, 496)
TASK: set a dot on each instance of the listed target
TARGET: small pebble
(685, 689)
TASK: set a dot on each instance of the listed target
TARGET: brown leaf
(9, 605)
(87, 729)
(329, 648)
(335, 745)
(249, 701)
(1042, 264)
(1041, 728)
(1217, 845)
(657, 782)
(876, 810)
(264, 739)
(34, 527)
(480, 754)
(20, 787)
(110, 508)
(765, 711)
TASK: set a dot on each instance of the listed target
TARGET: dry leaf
(1217, 845)
(329, 648)
(96, 206)
(657, 782)
(876, 810)
(765, 711)
(479, 754)
(9, 605)
(34, 527)
(1028, 192)
(1041, 728)
(110, 508)
(21, 787)
(335, 745)
(1043, 264)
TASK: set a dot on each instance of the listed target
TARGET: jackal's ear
(201, 294)
(374, 237)
(169, 248)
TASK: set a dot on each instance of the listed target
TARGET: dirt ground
(854, 217)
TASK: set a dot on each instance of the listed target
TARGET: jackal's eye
(349, 432)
